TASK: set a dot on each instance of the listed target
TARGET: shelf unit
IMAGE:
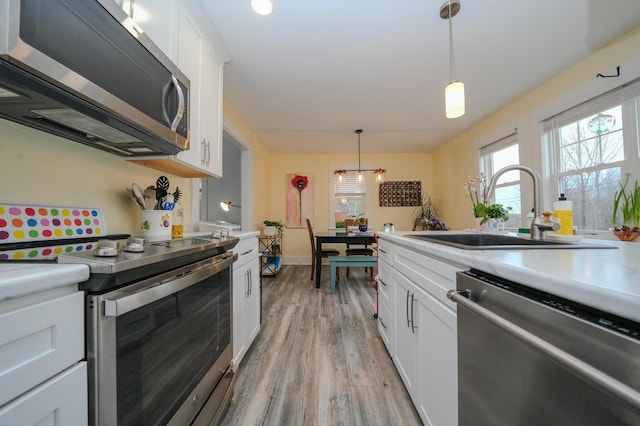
(270, 254)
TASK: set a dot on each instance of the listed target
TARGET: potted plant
(627, 204)
(426, 215)
(272, 227)
(362, 222)
(496, 214)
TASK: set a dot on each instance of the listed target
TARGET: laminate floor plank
(318, 359)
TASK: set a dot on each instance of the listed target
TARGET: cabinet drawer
(384, 281)
(385, 251)
(39, 341)
(247, 249)
(60, 401)
(432, 275)
(385, 325)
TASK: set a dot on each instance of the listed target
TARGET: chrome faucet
(536, 233)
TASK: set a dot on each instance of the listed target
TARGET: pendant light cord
(452, 65)
(359, 168)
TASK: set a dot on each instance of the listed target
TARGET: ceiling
(307, 76)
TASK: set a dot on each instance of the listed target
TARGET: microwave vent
(77, 121)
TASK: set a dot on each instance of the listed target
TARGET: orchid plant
(478, 193)
(477, 189)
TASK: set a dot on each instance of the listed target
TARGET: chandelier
(342, 172)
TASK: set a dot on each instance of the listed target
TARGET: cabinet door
(211, 111)
(438, 395)
(246, 306)
(60, 401)
(189, 64)
(252, 305)
(240, 291)
(406, 333)
(158, 20)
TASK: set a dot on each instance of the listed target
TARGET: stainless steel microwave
(70, 68)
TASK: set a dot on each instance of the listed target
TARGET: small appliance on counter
(219, 225)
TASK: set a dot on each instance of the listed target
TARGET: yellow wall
(36, 167)
(454, 161)
(399, 167)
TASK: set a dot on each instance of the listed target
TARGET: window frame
(367, 195)
(629, 101)
(516, 127)
(575, 95)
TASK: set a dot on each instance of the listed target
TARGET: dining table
(339, 237)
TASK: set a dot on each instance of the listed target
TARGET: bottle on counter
(177, 220)
(563, 212)
(530, 216)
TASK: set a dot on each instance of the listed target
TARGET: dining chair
(325, 253)
(356, 250)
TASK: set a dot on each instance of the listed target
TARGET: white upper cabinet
(211, 111)
(200, 64)
(198, 57)
(158, 19)
(189, 64)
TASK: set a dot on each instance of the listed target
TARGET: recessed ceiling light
(262, 7)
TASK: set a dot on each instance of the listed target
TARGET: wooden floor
(318, 359)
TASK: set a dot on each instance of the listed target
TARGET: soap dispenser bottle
(563, 212)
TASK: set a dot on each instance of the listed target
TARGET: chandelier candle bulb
(563, 212)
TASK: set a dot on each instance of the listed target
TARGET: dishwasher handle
(581, 369)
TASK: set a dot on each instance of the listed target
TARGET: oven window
(165, 348)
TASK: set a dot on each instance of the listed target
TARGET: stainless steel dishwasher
(526, 357)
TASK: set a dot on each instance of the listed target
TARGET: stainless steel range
(159, 330)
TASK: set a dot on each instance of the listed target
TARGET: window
(591, 146)
(349, 196)
(495, 156)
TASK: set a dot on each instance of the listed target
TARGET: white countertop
(606, 279)
(20, 279)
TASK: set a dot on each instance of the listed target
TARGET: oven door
(154, 344)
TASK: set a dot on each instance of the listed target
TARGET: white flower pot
(480, 227)
(270, 230)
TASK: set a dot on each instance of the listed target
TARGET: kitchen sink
(498, 242)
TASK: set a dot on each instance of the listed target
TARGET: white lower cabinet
(407, 333)
(424, 329)
(246, 297)
(60, 401)
(438, 369)
(43, 379)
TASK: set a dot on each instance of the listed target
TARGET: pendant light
(454, 92)
(378, 172)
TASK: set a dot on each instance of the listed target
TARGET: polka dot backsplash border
(26, 222)
(40, 253)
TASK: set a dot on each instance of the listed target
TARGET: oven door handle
(127, 300)
(578, 367)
